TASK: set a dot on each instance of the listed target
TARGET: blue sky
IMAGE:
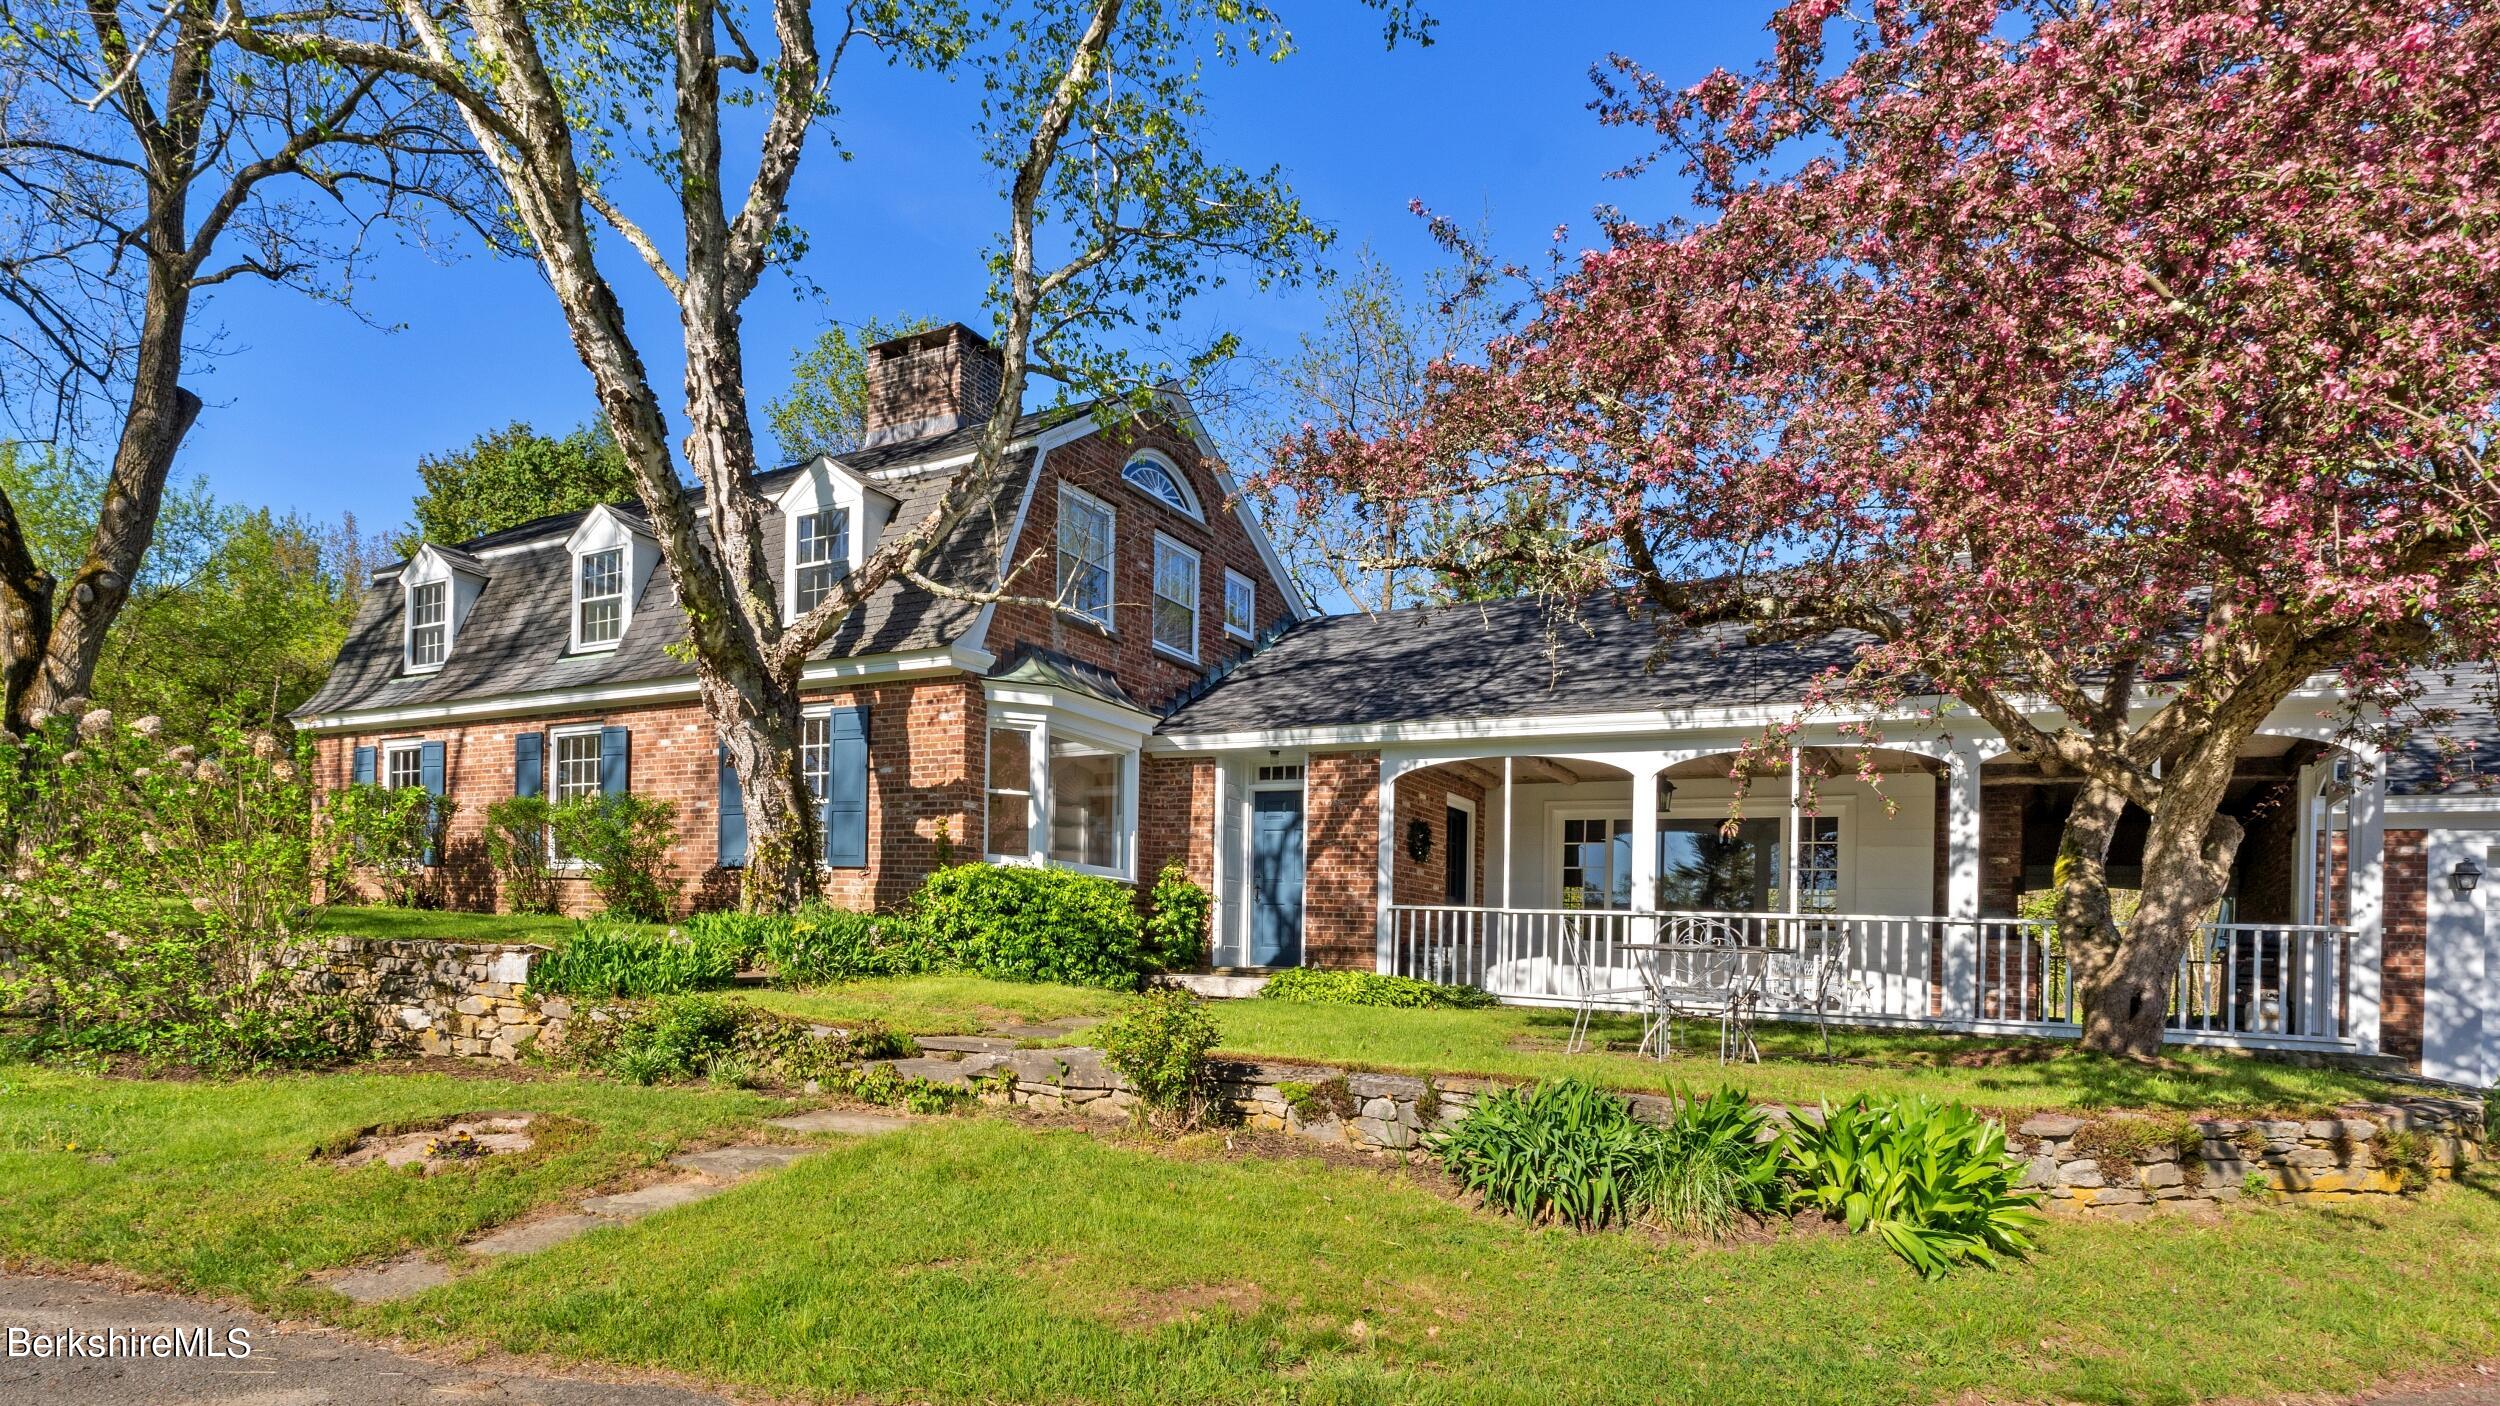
(315, 411)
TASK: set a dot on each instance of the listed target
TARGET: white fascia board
(1647, 724)
(1129, 726)
(1177, 403)
(870, 668)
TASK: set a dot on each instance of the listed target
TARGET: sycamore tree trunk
(759, 725)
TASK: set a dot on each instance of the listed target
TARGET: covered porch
(1548, 874)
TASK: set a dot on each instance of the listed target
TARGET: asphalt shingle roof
(514, 638)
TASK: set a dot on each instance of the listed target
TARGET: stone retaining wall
(443, 998)
(2367, 1150)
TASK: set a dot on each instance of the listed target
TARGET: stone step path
(710, 1173)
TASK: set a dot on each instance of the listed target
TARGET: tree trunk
(759, 723)
(159, 415)
(2087, 931)
(2188, 852)
(25, 620)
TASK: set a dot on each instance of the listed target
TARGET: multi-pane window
(1158, 482)
(1176, 598)
(576, 774)
(429, 624)
(1241, 605)
(1010, 791)
(403, 767)
(1084, 804)
(816, 756)
(1085, 554)
(1818, 864)
(821, 549)
(1597, 864)
(602, 597)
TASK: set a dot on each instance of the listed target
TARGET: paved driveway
(300, 1366)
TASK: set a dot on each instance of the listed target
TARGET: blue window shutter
(733, 816)
(430, 775)
(615, 771)
(529, 764)
(846, 791)
(363, 774)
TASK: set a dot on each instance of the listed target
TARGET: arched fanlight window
(1155, 476)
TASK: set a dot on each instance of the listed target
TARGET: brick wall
(1176, 818)
(1425, 796)
(2404, 945)
(1341, 842)
(1127, 648)
(924, 742)
(2000, 848)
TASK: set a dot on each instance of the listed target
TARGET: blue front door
(1276, 878)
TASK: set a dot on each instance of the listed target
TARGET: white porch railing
(2241, 983)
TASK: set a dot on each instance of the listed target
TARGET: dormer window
(429, 624)
(441, 584)
(1160, 479)
(831, 519)
(599, 599)
(819, 554)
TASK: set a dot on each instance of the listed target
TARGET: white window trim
(391, 750)
(1036, 790)
(790, 550)
(1111, 554)
(552, 769)
(812, 713)
(1188, 506)
(1232, 578)
(624, 598)
(1197, 605)
(408, 626)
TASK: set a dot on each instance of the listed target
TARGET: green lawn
(1525, 1043)
(979, 1260)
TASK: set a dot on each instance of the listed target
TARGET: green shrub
(1713, 1164)
(821, 944)
(516, 847)
(1160, 1046)
(1563, 1151)
(607, 958)
(384, 833)
(1030, 923)
(1319, 986)
(878, 1084)
(685, 1037)
(1317, 1103)
(624, 841)
(740, 937)
(1176, 921)
(155, 896)
(1934, 1181)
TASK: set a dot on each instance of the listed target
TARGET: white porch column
(1960, 935)
(1385, 944)
(1795, 831)
(1510, 824)
(1644, 835)
(2365, 869)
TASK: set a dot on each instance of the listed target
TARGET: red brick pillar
(2404, 945)
(1341, 860)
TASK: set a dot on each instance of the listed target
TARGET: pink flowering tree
(2109, 369)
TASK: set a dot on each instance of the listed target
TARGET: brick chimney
(929, 382)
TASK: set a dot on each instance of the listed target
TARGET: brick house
(1483, 793)
(537, 660)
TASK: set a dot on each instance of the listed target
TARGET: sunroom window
(1010, 822)
(601, 596)
(1085, 804)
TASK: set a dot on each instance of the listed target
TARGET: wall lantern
(1666, 795)
(2465, 876)
(1419, 840)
